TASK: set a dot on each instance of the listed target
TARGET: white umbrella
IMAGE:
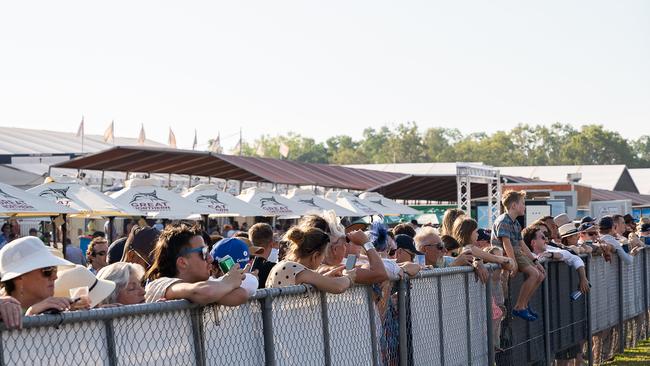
(150, 199)
(18, 203)
(386, 206)
(317, 203)
(87, 201)
(351, 202)
(218, 203)
(273, 204)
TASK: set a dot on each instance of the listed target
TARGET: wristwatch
(368, 246)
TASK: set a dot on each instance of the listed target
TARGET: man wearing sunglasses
(96, 254)
(181, 269)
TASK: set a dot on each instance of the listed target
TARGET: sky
(322, 68)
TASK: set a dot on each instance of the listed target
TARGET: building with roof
(641, 178)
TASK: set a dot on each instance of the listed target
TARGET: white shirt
(619, 248)
(571, 259)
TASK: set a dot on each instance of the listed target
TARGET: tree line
(558, 144)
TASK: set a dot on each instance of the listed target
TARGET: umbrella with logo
(273, 204)
(318, 203)
(386, 206)
(217, 203)
(353, 203)
(150, 199)
(87, 201)
(18, 203)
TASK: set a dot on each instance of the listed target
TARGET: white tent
(87, 201)
(150, 199)
(317, 203)
(386, 206)
(218, 203)
(351, 202)
(16, 202)
(273, 204)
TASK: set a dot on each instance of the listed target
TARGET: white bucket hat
(25, 255)
(80, 276)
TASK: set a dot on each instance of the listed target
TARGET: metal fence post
(468, 325)
(267, 328)
(488, 311)
(110, 342)
(621, 316)
(196, 316)
(2, 353)
(326, 329)
(645, 290)
(590, 342)
(373, 327)
(440, 323)
(547, 316)
(403, 337)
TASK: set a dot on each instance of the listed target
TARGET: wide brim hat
(26, 254)
(80, 276)
(567, 230)
(561, 220)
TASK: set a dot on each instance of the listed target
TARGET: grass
(639, 355)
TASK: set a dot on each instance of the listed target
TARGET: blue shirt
(505, 227)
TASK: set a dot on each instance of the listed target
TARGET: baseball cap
(645, 227)
(606, 222)
(406, 242)
(587, 219)
(483, 235)
(234, 247)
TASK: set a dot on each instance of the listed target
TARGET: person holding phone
(306, 253)
(181, 270)
(29, 270)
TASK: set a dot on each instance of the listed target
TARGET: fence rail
(440, 317)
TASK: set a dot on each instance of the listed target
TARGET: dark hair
(170, 243)
(98, 234)
(546, 218)
(617, 217)
(449, 242)
(463, 229)
(314, 221)
(529, 234)
(261, 234)
(404, 229)
(628, 218)
(9, 286)
(241, 234)
(307, 241)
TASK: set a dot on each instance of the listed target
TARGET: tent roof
(201, 163)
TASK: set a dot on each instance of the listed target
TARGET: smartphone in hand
(226, 263)
(350, 262)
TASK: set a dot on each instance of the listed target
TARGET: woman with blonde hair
(448, 219)
(306, 253)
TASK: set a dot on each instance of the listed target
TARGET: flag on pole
(237, 149)
(195, 141)
(141, 136)
(108, 134)
(80, 130)
(215, 146)
(172, 139)
(284, 150)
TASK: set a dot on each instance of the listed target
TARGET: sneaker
(533, 313)
(524, 314)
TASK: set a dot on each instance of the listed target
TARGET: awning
(243, 168)
(389, 207)
(318, 203)
(18, 203)
(272, 203)
(427, 187)
(219, 203)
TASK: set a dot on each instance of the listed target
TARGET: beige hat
(80, 276)
(568, 230)
(25, 255)
(561, 219)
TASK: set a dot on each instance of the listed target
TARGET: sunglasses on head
(47, 272)
(202, 250)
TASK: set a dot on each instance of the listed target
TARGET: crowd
(182, 261)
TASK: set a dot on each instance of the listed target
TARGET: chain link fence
(440, 317)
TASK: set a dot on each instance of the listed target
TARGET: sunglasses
(592, 233)
(202, 250)
(438, 246)
(47, 272)
(94, 254)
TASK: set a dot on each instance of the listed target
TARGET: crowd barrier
(440, 317)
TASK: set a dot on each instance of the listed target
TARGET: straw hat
(568, 230)
(561, 219)
(25, 255)
(80, 276)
